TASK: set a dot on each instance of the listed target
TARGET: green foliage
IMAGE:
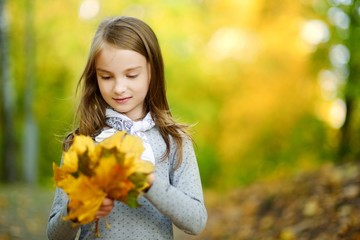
(238, 70)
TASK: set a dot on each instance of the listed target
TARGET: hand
(151, 178)
(105, 208)
(150, 181)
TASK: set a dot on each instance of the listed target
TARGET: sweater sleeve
(58, 228)
(181, 200)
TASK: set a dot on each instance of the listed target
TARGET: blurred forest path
(318, 205)
(24, 212)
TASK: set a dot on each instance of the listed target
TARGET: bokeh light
(339, 55)
(315, 32)
(89, 9)
(338, 18)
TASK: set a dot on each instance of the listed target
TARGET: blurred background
(272, 88)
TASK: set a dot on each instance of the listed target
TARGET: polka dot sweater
(175, 198)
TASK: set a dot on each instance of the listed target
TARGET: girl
(123, 88)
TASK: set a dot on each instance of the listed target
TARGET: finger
(105, 209)
(108, 202)
(151, 178)
(101, 214)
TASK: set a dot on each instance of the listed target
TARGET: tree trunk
(9, 163)
(350, 136)
(30, 145)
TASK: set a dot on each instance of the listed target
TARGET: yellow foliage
(113, 142)
(71, 160)
(112, 169)
(85, 198)
(82, 144)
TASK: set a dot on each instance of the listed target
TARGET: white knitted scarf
(120, 122)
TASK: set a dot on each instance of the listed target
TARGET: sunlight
(333, 109)
(339, 55)
(328, 82)
(315, 32)
(233, 42)
(338, 18)
(89, 9)
(332, 112)
(344, 2)
(337, 113)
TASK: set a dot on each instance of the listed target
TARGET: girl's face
(123, 77)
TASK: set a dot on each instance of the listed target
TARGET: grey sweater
(175, 197)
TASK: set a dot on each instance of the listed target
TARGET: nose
(120, 86)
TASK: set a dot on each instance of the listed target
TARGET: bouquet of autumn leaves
(90, 172)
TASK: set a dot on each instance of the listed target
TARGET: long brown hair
(130, 34)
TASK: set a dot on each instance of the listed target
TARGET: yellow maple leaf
(94, 155)
(122, 190)
(143, 166)
(83, 204)
(114, 141)
(109, 172)
(71, 161)
(59, 174)
(81, 144)
(132, 145)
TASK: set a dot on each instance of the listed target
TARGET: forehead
(117, 58)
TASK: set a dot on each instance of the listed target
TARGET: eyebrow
(127, 70)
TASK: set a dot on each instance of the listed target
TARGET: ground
(319, 205)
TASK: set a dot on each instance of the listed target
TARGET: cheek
(103, 88)
(102, 84)
(146, 86)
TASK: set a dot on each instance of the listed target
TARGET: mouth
(122, 100)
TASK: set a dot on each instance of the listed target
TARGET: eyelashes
(132, 76)
(105, 77)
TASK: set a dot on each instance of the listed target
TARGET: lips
(122, 100)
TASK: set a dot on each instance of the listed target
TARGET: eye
(132, 76)
(105, 77)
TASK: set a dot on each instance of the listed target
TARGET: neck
(140, 118)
